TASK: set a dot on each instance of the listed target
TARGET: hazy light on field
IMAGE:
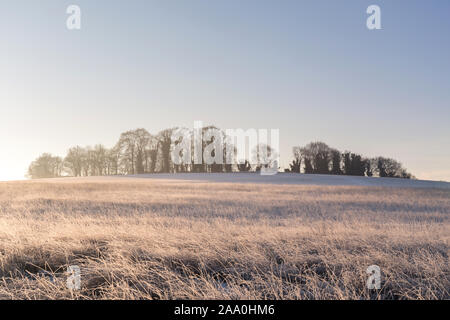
(150, 239)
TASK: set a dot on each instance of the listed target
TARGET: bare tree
(229, 154)
(74, 161)
(316, 156)
(354, 165)
(113, 158)
(217, 147)
(296, 164)
(164, 143)
(132, 147)
(99, 160)
(369, 166)
(387, 167)
(335, 162)
(45, 166)
(264, 156)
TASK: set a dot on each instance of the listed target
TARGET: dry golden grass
(156, 239)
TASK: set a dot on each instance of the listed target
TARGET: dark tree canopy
(319, 158)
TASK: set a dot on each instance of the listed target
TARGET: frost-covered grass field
(219, 237)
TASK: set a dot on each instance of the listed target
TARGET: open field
(136, 238)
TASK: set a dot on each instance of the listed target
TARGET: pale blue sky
(310, 68)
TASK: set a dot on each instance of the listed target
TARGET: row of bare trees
(319, 158)
(136, 152)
